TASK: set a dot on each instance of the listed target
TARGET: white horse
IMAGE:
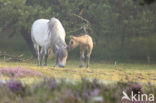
(49, 34)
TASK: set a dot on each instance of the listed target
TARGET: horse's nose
(62, 66)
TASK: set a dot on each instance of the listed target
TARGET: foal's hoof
(87, 66)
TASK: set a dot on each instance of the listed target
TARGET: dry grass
(105, 72)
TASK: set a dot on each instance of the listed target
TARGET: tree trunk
(27, 37)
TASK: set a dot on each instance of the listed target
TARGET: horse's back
(39, 32)
(87, 39)
(46, 31)
(84, 40)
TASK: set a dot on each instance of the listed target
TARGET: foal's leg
(88, 59)
(41, 56)
(46, 57)
(88, 56)
(82, 57)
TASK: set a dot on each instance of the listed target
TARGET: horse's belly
(42, 41)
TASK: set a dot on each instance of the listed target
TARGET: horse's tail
(38, 49)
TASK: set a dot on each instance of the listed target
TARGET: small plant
(86, 91)
(19, 72)
(16, 87)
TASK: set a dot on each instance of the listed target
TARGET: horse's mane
(50, 25)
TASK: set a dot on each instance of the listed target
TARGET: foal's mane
(80, 35)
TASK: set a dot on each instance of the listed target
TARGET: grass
(105, 72)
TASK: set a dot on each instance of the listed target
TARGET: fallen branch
(8, 57)
(82, 18)
(74, 30)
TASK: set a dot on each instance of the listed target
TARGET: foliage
(120, 29)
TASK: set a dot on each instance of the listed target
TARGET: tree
(121, 29)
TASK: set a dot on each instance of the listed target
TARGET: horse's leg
(41, 56)
(82, 57)
(46, 57)
(37, 49)
(56, 61)
(88, 56)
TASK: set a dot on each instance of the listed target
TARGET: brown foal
(86, 44)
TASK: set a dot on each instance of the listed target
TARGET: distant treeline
(121, 29)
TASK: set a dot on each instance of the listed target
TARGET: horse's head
(72, 43)
(62, 55)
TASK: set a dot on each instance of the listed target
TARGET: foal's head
(72, 43)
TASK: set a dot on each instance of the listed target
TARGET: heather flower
(66, 96)
(95, 92)
(135, 88)
(19, 72)
(95, 83)
(77, 93)
(115, 96)
(52, 85)
(68, 93)
(86, 94)
(15, 86)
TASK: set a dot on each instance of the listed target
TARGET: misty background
(121, 29)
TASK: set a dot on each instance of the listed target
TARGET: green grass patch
(105, 72)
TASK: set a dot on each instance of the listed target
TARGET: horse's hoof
(39, 65)
(61, 66)
(55, 66)
(81, 66)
